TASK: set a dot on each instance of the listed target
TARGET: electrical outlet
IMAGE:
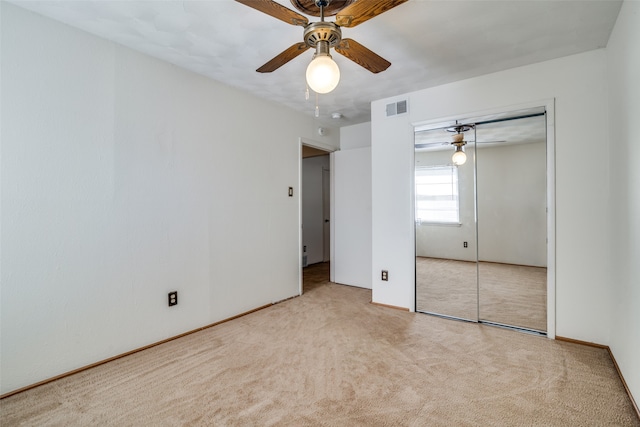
(465, 244)
(385, 275)
(173, 298)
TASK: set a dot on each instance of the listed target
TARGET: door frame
(326, 212)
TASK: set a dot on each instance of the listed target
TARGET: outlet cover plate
(173, 298)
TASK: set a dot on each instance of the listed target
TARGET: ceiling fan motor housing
(322, 32)
(459, 128)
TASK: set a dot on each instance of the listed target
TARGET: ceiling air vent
(397, 108)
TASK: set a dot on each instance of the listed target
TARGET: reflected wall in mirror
(446, 273)
(490, 263)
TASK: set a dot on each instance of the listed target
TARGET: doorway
(482, 225)
(315, 213)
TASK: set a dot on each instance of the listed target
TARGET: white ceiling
(428, 42)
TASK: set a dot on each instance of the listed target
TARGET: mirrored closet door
(446, 261)
(512, 221)
(481, 225)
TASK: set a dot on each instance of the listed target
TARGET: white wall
(124, 178)
(623, 56)
(578, 84)
(512, 226)
(312, 207)
(355, 136)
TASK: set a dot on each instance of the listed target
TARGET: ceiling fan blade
(276, 10)
(362, 56)
(445, 143)
(363, 10)
(283, 58)
(432, 144)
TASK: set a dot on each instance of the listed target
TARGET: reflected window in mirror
(436, 195)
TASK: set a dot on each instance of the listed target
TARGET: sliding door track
(486, 322)
(515, 328)
(445, 316)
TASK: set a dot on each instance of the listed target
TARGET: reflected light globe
(459, 158)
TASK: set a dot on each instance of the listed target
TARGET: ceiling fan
(324, 35)
(457, 139)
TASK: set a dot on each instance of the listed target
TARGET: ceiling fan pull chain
(317, 113)
(306, 93)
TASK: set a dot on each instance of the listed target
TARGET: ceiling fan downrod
(322, 4)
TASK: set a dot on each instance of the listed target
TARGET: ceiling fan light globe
(323, 74)
(459, 158)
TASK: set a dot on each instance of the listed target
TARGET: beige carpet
(509, 294)
(330, 358)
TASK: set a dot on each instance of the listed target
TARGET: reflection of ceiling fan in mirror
(324, 35)
(459, 157)
(457, 138)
